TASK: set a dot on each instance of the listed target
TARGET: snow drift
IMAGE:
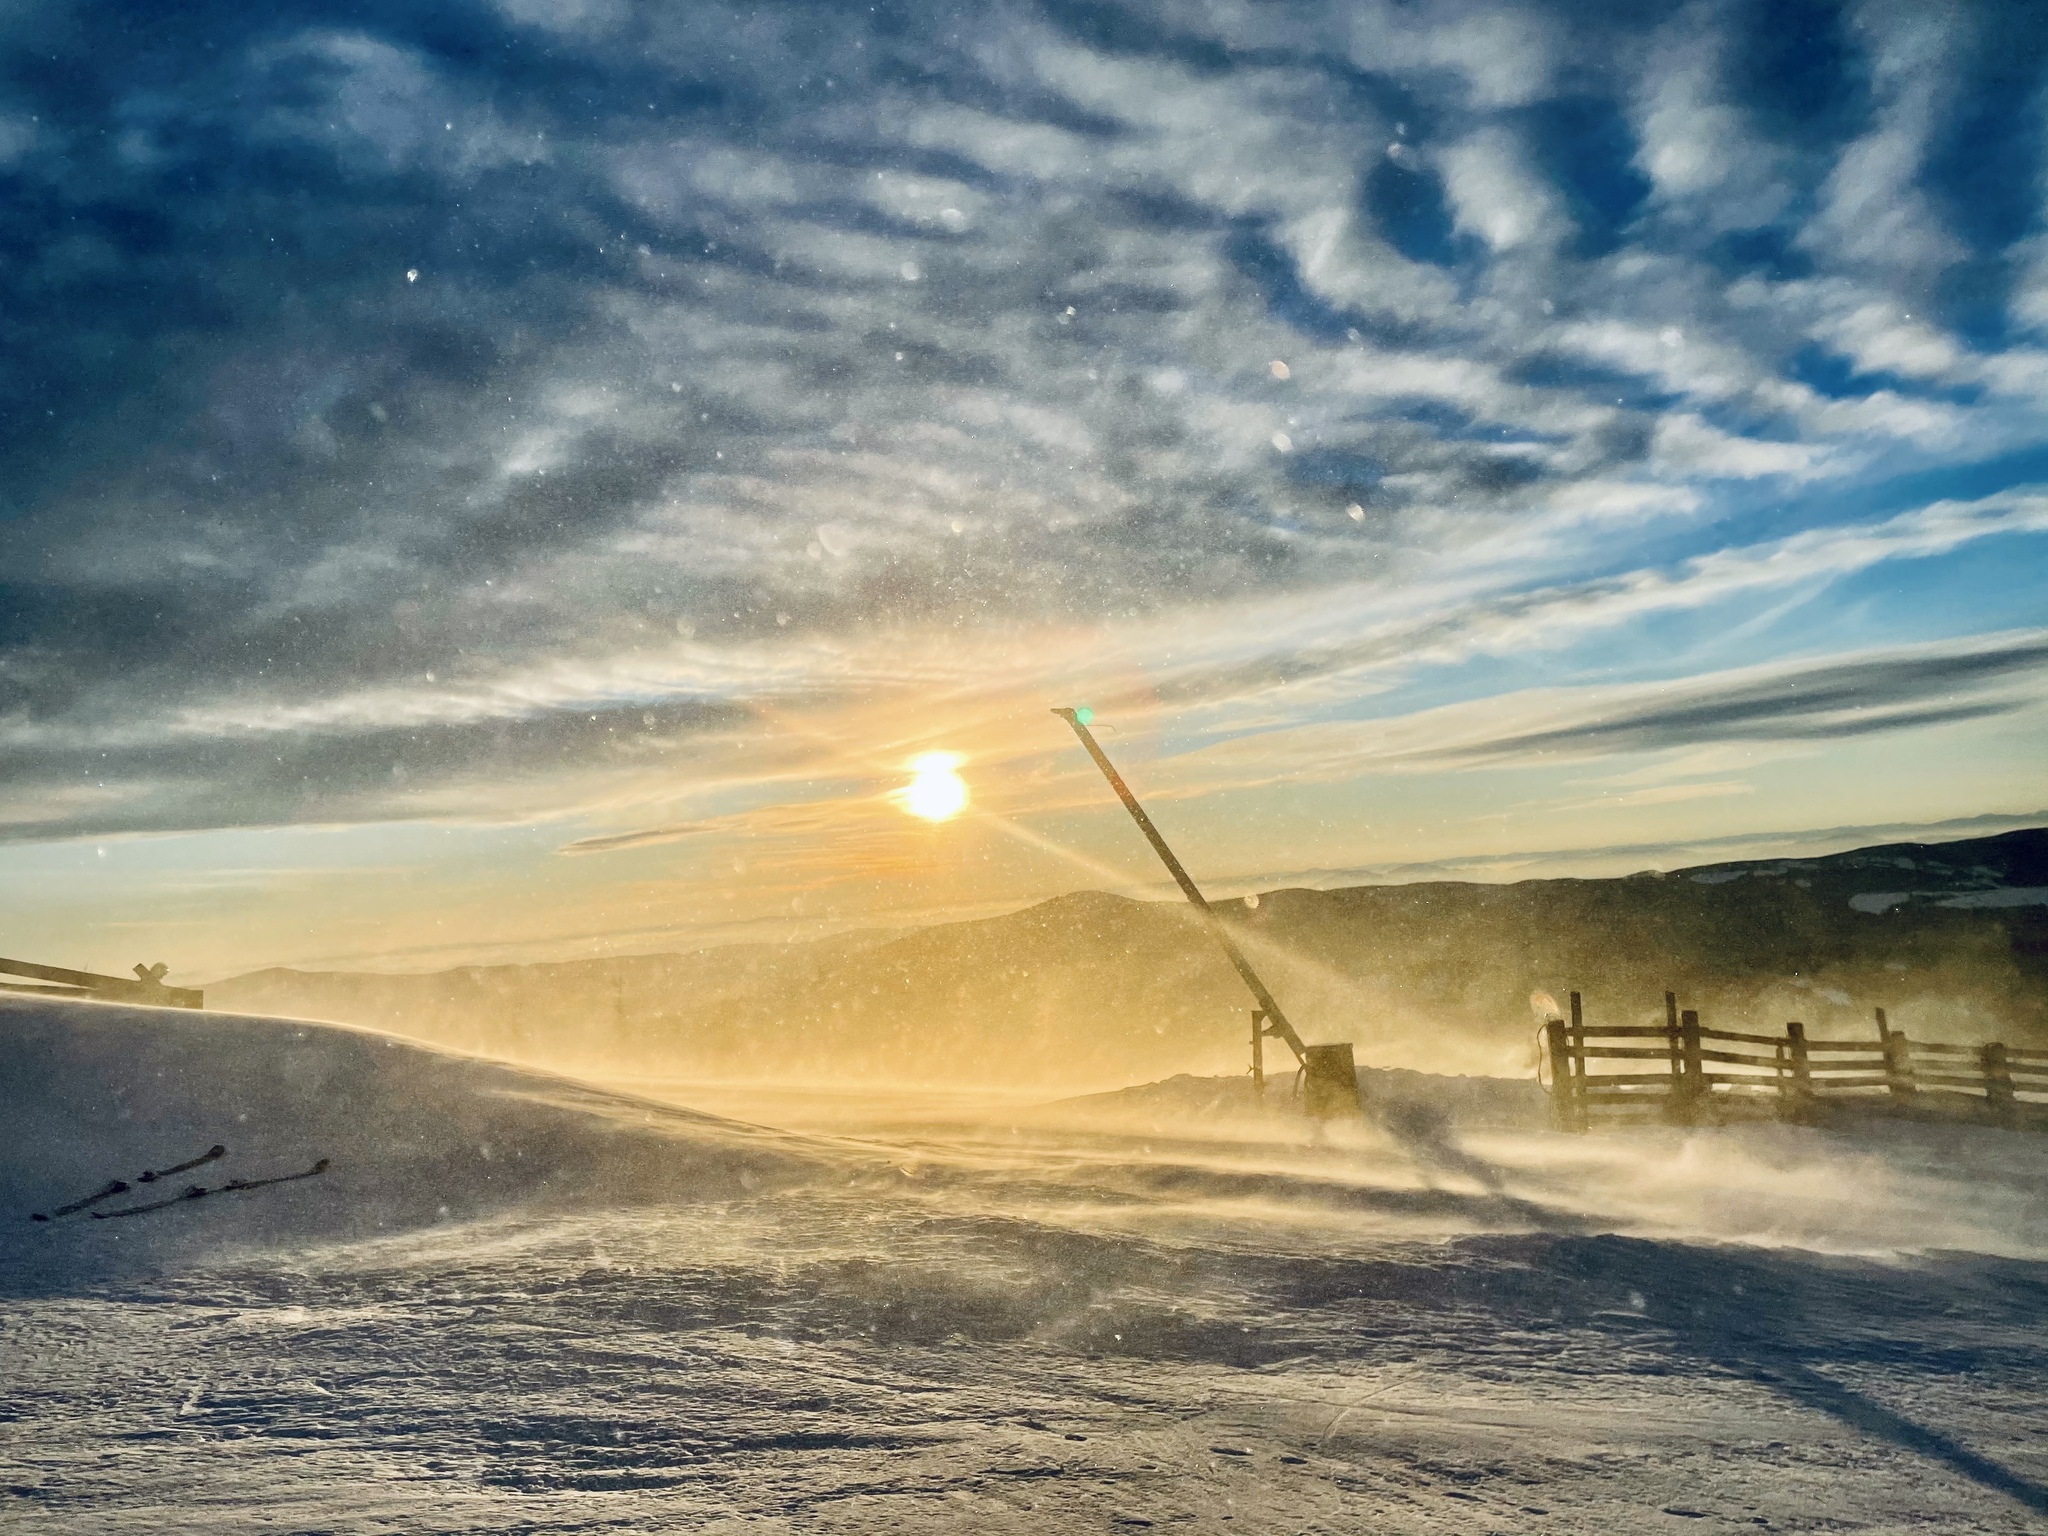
(412, 1136)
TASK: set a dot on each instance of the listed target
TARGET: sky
(496, 481)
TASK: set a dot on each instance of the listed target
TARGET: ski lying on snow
(200, 1192)
(115, 1187)
(107, 1192)
(151, 1175)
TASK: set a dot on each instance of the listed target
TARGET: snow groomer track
(514, 1302)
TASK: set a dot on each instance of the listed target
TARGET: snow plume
(1442, 1157)
(418, 1139)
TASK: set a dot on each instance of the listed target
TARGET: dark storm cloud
(1817, 703)
(340, 345)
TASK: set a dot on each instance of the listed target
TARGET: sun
(935, 792)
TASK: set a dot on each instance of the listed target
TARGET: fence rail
(1799, 1079)
(146, 986)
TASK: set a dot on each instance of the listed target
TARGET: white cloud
(1039, 151)
(1344, 262)
(1356, 638)
(18, 136)
(1486, 622)
(1507, 56)
(1498, 196)
(1697, 365)
(384, 104)
(1593, 503)
(1704, 155)
(1881, 336)
(1686, 444)
(588, 18)
(1709, 370)
(1873, 215)
(2029, 304)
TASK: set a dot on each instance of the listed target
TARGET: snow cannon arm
(1277, 1025)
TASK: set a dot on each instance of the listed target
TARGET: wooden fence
(1710, 1076)
(146, 986)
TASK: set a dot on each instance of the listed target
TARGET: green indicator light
(1084, 716)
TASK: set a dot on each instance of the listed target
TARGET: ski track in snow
(1048, 1325)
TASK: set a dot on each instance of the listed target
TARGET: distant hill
(1089, 990)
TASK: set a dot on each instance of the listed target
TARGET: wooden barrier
(1800, 1091)
(146, 986)
(1709, 1076)
(1564, 1097)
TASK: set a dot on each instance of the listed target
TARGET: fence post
(1998, 1082)
(1898, 1059)
(1689, 1091)
(1259, 1054)
(1800, 1100)
(1576, 1039)
(1567, 1112)
(1671, 1102)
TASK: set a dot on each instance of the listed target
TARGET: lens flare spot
(936, 791)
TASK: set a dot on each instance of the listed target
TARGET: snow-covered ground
(515, 1303)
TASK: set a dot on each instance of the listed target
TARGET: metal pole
(1280, 1026)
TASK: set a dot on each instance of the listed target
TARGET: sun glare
(936, 792)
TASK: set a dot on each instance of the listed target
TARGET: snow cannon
(1329, 1075)
(1329, 1082)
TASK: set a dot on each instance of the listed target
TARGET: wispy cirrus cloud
(1864, 696)
(1447, 626)
(1806, 701)
(638, 413)
(557, 733)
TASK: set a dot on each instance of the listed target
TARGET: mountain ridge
(1090, 988)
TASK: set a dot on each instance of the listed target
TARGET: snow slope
(1105, 1317)
(414, 1136)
